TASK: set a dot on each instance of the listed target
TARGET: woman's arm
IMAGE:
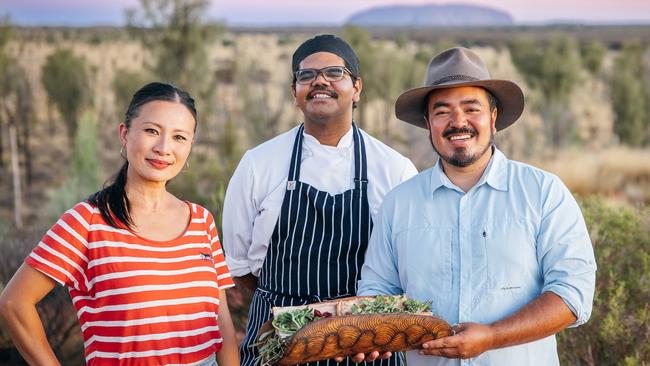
(18, 311)
(228, 354)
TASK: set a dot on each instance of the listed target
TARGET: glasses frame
(321, 71)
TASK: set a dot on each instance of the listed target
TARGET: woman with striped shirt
(145, 270)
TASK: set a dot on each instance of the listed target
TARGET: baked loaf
(364, 333)
(346, 334)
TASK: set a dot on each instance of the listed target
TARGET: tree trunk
(50, 120)
(27, 152)
(2, 160)
(15, 171)
(388, 109)
(72, 125)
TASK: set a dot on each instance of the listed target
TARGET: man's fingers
(385, 355)
(360, 357)
(372, 356)
(447, 352)
(443, 342)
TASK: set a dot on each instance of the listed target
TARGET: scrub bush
(618, 332)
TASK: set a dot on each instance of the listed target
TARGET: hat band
(454, 78)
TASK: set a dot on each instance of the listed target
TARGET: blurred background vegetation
(63, 92)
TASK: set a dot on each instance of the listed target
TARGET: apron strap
(296, 157)
(360, 163)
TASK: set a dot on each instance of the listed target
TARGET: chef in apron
(299, 208)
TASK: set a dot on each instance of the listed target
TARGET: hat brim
(410, 105)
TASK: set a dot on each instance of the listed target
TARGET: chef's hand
(360, 357)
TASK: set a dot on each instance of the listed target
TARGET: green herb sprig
(271, 348)
(415, 306)
(390, 304)
(290, 321)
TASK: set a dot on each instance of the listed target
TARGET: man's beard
(461, 158)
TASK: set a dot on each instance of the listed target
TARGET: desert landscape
(587, 120)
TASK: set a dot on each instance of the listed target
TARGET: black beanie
(327, 43)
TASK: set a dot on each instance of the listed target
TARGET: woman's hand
(228, 354)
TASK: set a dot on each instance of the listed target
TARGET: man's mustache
(454, 130)
(332, 93)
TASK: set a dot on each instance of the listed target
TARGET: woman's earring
(122, 153)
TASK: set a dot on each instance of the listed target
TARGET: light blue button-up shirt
(482, 255)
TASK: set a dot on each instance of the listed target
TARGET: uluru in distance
(431, 15)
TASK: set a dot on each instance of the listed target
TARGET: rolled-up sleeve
(379, 274)
(238, 215)
(565, 252)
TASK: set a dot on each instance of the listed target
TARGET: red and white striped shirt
(139, 302)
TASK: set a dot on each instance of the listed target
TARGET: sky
(329, 12)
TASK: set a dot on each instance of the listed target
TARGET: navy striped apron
(316, 250)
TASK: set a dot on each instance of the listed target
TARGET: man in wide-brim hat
(499, 247)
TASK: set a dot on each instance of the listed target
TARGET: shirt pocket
(428, 260)
(511, 254)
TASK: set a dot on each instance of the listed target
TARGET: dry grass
(617, 172)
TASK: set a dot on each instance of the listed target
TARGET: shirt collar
(495, 174)
(439, 178)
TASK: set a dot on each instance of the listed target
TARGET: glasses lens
(334, 73)
(305, 75)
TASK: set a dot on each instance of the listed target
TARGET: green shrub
(66, 79)
(83, 173)
(553, 69)
(593, 54)
(631, 95)
(124, 85)
(618, 332)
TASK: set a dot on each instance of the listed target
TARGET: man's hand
(360, 357)
(470, 340)
(247, 284)
(542, 317)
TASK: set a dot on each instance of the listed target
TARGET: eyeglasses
(330, 73)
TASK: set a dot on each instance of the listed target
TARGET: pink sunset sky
(330, 12)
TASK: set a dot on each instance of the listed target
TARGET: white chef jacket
(256, 190)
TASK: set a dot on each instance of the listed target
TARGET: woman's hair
(112, 201)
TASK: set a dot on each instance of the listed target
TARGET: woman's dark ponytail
(112, 201)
